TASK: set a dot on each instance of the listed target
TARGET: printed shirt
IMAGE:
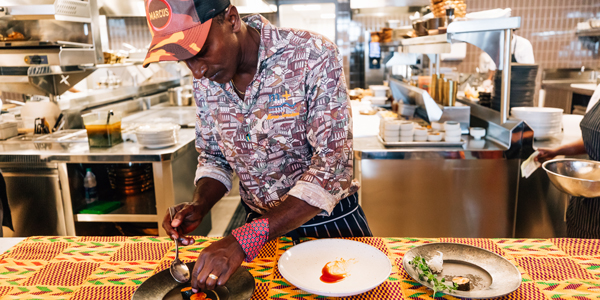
(292, 132)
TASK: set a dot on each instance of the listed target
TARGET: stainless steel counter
(55, 169)
(33, 152)
(470, 191)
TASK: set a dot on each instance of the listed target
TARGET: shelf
(472, 31)
(589, 32)
(425, 40)
(112, 217)
(135, 209)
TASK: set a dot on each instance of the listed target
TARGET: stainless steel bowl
(576, 177)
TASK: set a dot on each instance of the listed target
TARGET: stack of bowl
(546, 122)
(159, 135)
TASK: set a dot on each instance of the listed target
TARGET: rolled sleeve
(314, 195)
(224, 177)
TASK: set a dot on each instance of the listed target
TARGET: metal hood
(122, 8)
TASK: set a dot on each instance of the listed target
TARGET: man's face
(217, 60)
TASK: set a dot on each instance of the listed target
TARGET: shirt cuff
(314, 195)
(222, 176)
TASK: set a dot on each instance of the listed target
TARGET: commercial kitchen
(468, 128)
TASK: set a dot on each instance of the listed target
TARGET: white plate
(302, 266)
(158, 146)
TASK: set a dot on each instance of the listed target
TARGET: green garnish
(425, 274)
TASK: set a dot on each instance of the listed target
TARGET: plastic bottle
(89, 183)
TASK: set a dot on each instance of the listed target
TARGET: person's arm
(320, 188)
(574, 148)
(213, 178)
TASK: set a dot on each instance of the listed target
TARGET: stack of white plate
(546, 122)
(158, 135)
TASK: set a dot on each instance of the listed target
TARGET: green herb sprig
(425, 274)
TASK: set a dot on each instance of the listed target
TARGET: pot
(180, 96)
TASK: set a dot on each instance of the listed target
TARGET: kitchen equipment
(576, 177)
(302, 265)
(161, 286)
(546, 122)
(179, 270)
(8, 130)
(60, 43)
(103, 130)
(491, 274)
(522, 85)
(130, 179)
(32, 110)
(159, 135)
(420, 27)
(433, 24)
(439, 8)
(477, 132)
(434, 142)
(379, 90)
(180, 96)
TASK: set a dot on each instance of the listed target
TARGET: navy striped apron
(583, 214)
(346, 220)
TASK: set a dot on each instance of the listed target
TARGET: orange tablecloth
(113, 267)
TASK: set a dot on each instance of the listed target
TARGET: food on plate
(198, 296)
(436, 263)
(188, 294)
(337, 270)
(462, 283)
(425, 274)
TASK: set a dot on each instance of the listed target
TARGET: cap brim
(178, 46)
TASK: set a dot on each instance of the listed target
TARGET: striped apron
(583, 214)
(346, 220)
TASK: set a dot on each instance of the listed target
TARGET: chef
(521, 52)
(582, 213)
(273, 108)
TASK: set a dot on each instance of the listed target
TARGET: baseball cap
(179, 27)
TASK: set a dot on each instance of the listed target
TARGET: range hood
(135, 8)
(62, 10)
(122, 8)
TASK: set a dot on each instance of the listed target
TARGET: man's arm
(213, 177)
(189, 215)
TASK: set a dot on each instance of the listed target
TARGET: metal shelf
(136, 208)
(493, 36)
(589, 32)
(112, 217)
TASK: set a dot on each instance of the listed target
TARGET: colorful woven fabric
(94, 268)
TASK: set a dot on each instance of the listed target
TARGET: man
(272, 107)
(521, 52)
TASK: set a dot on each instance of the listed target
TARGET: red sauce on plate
(336, 270)
(330, 278)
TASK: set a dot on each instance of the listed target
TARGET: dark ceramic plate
(162, 286)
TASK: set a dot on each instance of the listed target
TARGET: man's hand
(546, 154)
(221, 259)
(187, 217)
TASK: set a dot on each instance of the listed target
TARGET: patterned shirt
(292, 132)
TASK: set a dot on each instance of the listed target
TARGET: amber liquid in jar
(104, 135)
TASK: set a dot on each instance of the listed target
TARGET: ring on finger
(213, 276)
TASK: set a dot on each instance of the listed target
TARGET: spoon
(179, 270)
